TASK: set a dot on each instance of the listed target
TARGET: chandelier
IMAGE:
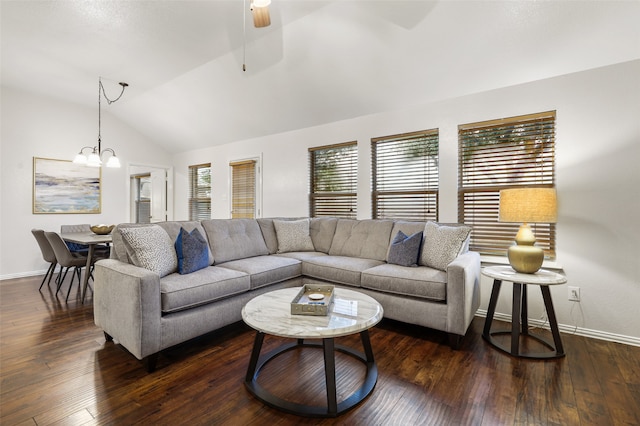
(94, 159)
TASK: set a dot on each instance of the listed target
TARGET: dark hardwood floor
(56, 368)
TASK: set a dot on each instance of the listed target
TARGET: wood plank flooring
(57, 369)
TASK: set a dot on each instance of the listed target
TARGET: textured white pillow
(442, 244)
(293, 235)
(150, 247)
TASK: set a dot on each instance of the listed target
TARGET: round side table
(519, 321)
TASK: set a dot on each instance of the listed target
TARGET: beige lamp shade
(528, 205)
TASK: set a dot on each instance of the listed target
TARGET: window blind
(405, 176)
(333, 174)
(500, 154)
(243, 189)
(200, 192)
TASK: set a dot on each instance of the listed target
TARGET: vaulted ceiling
(319, 61)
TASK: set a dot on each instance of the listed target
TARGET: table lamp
(527, 205)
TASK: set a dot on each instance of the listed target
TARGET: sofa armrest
(463, 292)
(126, 305)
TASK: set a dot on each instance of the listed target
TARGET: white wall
(34, 126)
(598, 148)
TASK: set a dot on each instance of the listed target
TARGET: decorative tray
(313, 299)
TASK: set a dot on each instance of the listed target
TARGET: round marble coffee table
(351, 313)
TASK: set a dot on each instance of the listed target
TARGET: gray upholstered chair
(66, 259)
(47, 254)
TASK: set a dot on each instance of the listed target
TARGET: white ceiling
(319, 61)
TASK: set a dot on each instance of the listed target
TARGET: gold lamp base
(525, 257)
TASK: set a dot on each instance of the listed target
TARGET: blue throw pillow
(404, 251)
(192, 251)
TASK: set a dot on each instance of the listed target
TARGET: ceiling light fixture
(260, 11)
(94, 159)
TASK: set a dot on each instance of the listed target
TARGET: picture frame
(63, 187)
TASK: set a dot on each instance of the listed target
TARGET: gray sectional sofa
(170, 282)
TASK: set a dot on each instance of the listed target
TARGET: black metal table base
(333, 408)
(520, 323)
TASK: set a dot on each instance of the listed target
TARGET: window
(405, 176)
(200, 192)
(500, 154)
(243, 189)
(333, 174)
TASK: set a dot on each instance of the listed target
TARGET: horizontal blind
(405, 176)
(500, 154)
(200, 192)
(243, 188)
(333, 174)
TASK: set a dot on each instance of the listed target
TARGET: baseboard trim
(571, 329)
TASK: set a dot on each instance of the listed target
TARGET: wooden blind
(200, 192)
(508, 153)
(333, 174)
(405, 176)
(243, 189)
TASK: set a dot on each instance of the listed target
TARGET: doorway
(150, 194)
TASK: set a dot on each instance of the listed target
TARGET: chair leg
(52, 272)
(76, 271)
(49, 274)
(61, 280)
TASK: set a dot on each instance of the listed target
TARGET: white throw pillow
(442, 244)
(150, 247)
(293, 235)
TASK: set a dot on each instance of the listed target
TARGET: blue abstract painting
(61, 186)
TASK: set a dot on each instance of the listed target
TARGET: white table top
(351, 312)
(86, 238)
(541, 277)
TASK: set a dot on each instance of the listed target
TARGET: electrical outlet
(574, 294)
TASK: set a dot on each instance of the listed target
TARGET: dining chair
(47, 254)
(66, 259)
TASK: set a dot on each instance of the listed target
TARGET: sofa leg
(107, 337)
(455, 340)
(150, 362)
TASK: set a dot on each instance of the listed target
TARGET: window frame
(338, 202)
(196, 193)
(407, 183)
(514, 152)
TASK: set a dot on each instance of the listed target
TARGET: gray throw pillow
(404, 250)
(442, 244)
(293, 235)
(150, 247)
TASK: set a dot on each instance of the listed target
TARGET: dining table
(90, 239)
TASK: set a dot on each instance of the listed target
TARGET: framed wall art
(63, 187)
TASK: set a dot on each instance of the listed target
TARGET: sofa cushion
(204, 286)
(269, 232)
(232, 239)
(322, 230)
(265, 270)
(404, 250)
(421, 282)
(119, 251)
(293, 235)
(338, 269)
(442, 244)
(302, 255)
(192, 251)
(151, 248)
(367, 239)
(173, 229)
